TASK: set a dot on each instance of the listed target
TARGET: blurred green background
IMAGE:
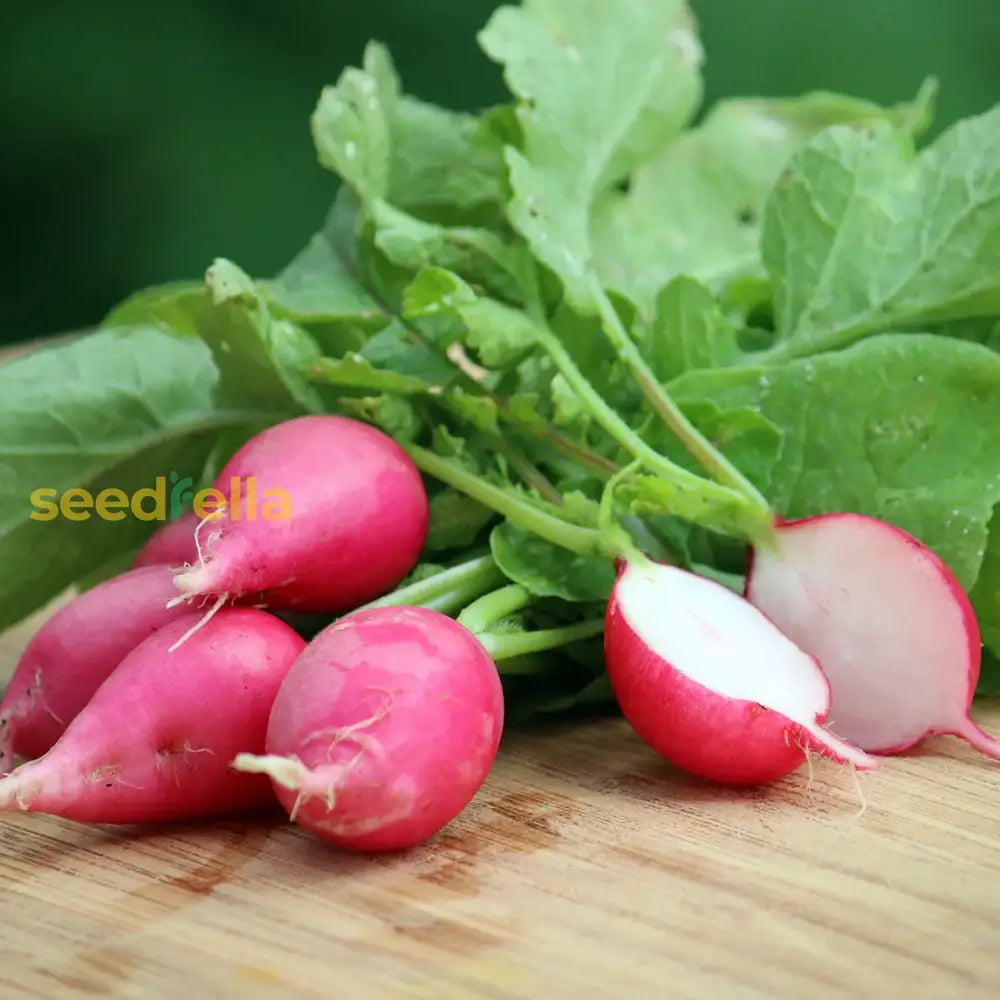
(141, 141)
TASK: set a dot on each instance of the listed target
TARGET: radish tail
(979, 739)
(830, 745)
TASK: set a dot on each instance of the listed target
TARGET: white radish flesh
(710, 683)
(892, 627)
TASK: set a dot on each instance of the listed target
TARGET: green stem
(487, 610)
(447, 591)
(834, 339)
(583, 541)
(606, 520)
(561, 442)
(505, 646)
(669, 412)
(530, 474)
(627, 437)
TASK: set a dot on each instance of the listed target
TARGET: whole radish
(384, 729)
(173, 544)
(710, 683)
(73, 653)
(155, 741)
(894, 630)
(357, 517)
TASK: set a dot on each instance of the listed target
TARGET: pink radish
(171, 545)
(710, 683)
(384, 729)
(75, 651)
(358, 518)
(155, 741)
(892, 627)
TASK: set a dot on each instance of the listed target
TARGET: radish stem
(583, 541)
(446, 591)
(669, 412)
(481, 614)
(507, 645)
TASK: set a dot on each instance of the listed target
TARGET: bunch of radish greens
(581, 403)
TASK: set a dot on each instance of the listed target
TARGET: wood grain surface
(585, 868)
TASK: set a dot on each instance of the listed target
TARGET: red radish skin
(173, 544)
(155, 741)
(359, 519)
(74, 652)
(893, 628)
(384, 729)
(710, 683)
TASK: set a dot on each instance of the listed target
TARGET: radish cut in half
(894, 630)
(710, 683)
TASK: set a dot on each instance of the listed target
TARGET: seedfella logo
(166, 500)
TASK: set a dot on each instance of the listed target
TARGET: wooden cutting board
(586, 868)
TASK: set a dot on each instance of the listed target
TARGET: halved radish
(892, 627)
(710, 683)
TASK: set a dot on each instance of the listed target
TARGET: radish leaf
(900, 427)
(696, 208)
(600, 86)
(863, 236)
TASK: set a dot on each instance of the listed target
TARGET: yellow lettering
(282, 505)
(44, 503)
(75, 504)
(111, 504)
(235, 496)
(158, 494)
(252, 498)
(209, 504)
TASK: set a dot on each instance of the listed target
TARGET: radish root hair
(181, 598)
(810, 770)
(353, 733)
(202, 622)
(860, 792)
(38, 691)
(211, 538)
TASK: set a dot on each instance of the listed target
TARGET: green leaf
(456, 521)
(548, 571)
(351, 125)
(445, 165)
(980, 330)
(354, 371)
(744, 435)
(112, 410)
(260, 358)
(985, 594)
(569, 410)
(689, 331)
(316, 288)
(478, 255)
(901, 427)
(862, 235)
(395, 415)
(435, 290)
(499, 334)
(654, 495)
(989, 675)
(479, 411)
(696, 209)
(592, 352)
(173, 307)
(397, 349)
(600, 86)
